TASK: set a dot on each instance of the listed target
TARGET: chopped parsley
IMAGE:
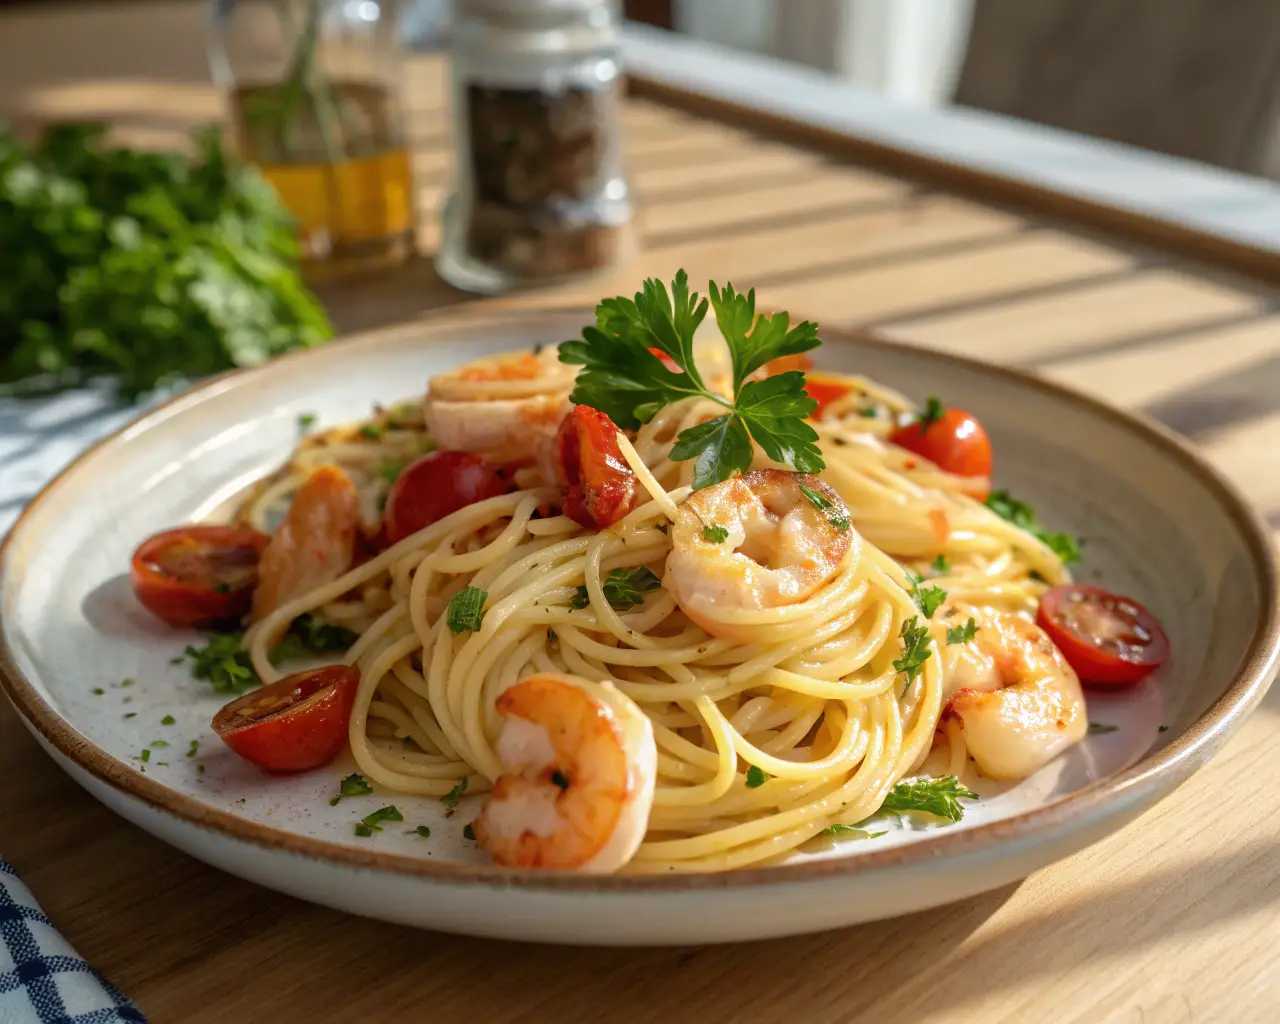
(940, 565)
(309, 635)
(168, 720)
(374, 819)
(1024, 517)
(364, 831)
(353, 785)
(126, 683)
(372, 431)
(223, 663)
(715, 534)
(756, 777)
(421, 830)
(391, 471)
(466, 610)
(306, 420)
(927, 599)
(158, 743)
(841, 523)
(868, 412)
(849, 832)
(468, 832)
(623, 588)
(191, 750)
(1098, 728)
(131, 714)
(145, 755)
(940, 797)
(97, 691)
(962, 634)
(450, 799)
(816, 499)
(915, 648)
(623, 378)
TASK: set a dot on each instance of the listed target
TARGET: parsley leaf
(940, 565)
(353, 785)
(191, 750)
(927, 599)
(364, 831)
(168, 720)
(624, 378)
(450, 799)
(715, 534)
(466, 610)
(306, 420)
(932, 796)
(915, 648)
(422, 830)
(849, 832)
(309, 635)
(372, 431)
(374, 819)
(1023, 516)
(1098, 728)
(962, 634)
(623, 588)
(756, 777)
(815, 498)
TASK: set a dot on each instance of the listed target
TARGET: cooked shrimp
(507, 406)
(314, 545)
(1018, 700)
(580, 766)
(781, 547)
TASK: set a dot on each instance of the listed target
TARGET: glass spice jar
(314, 93)
(539, 193)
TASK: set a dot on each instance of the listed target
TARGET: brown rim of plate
(1160, 770)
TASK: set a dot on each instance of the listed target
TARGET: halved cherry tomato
(601, 486)
(435, 486)
(955, 442)
(198, 575)
(1110, 641)
(295, 724)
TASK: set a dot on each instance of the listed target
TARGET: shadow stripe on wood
(1041, 329)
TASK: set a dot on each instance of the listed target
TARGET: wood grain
(1174, 919)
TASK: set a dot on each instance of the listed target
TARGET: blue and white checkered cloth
(42, 980)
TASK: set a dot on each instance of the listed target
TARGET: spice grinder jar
(539, 192)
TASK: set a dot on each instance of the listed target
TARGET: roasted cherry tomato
(435, 486)
(601, 486)
(824, 390)
(953, 441)
(295, 724)
(1110, 641)
(198, 575)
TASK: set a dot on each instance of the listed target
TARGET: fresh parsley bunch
(624, 378)
(143, 267)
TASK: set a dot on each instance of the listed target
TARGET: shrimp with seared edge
(314, 545)
(508, 406)
(580, 766)
(783, 544)
(1016, 698)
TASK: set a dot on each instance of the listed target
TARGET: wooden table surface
(1176, 918)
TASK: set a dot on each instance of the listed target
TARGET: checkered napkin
(42, 980)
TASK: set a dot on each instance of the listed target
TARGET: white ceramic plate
(1159, 523)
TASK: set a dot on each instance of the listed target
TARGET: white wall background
(910, 50)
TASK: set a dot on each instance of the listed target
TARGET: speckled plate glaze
(1158, 521)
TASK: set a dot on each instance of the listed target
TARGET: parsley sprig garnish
(466, 610)
(1023, 516)
(839, 831)
(354, 784)
(932, 796)
(623, 378)
(927, 599)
